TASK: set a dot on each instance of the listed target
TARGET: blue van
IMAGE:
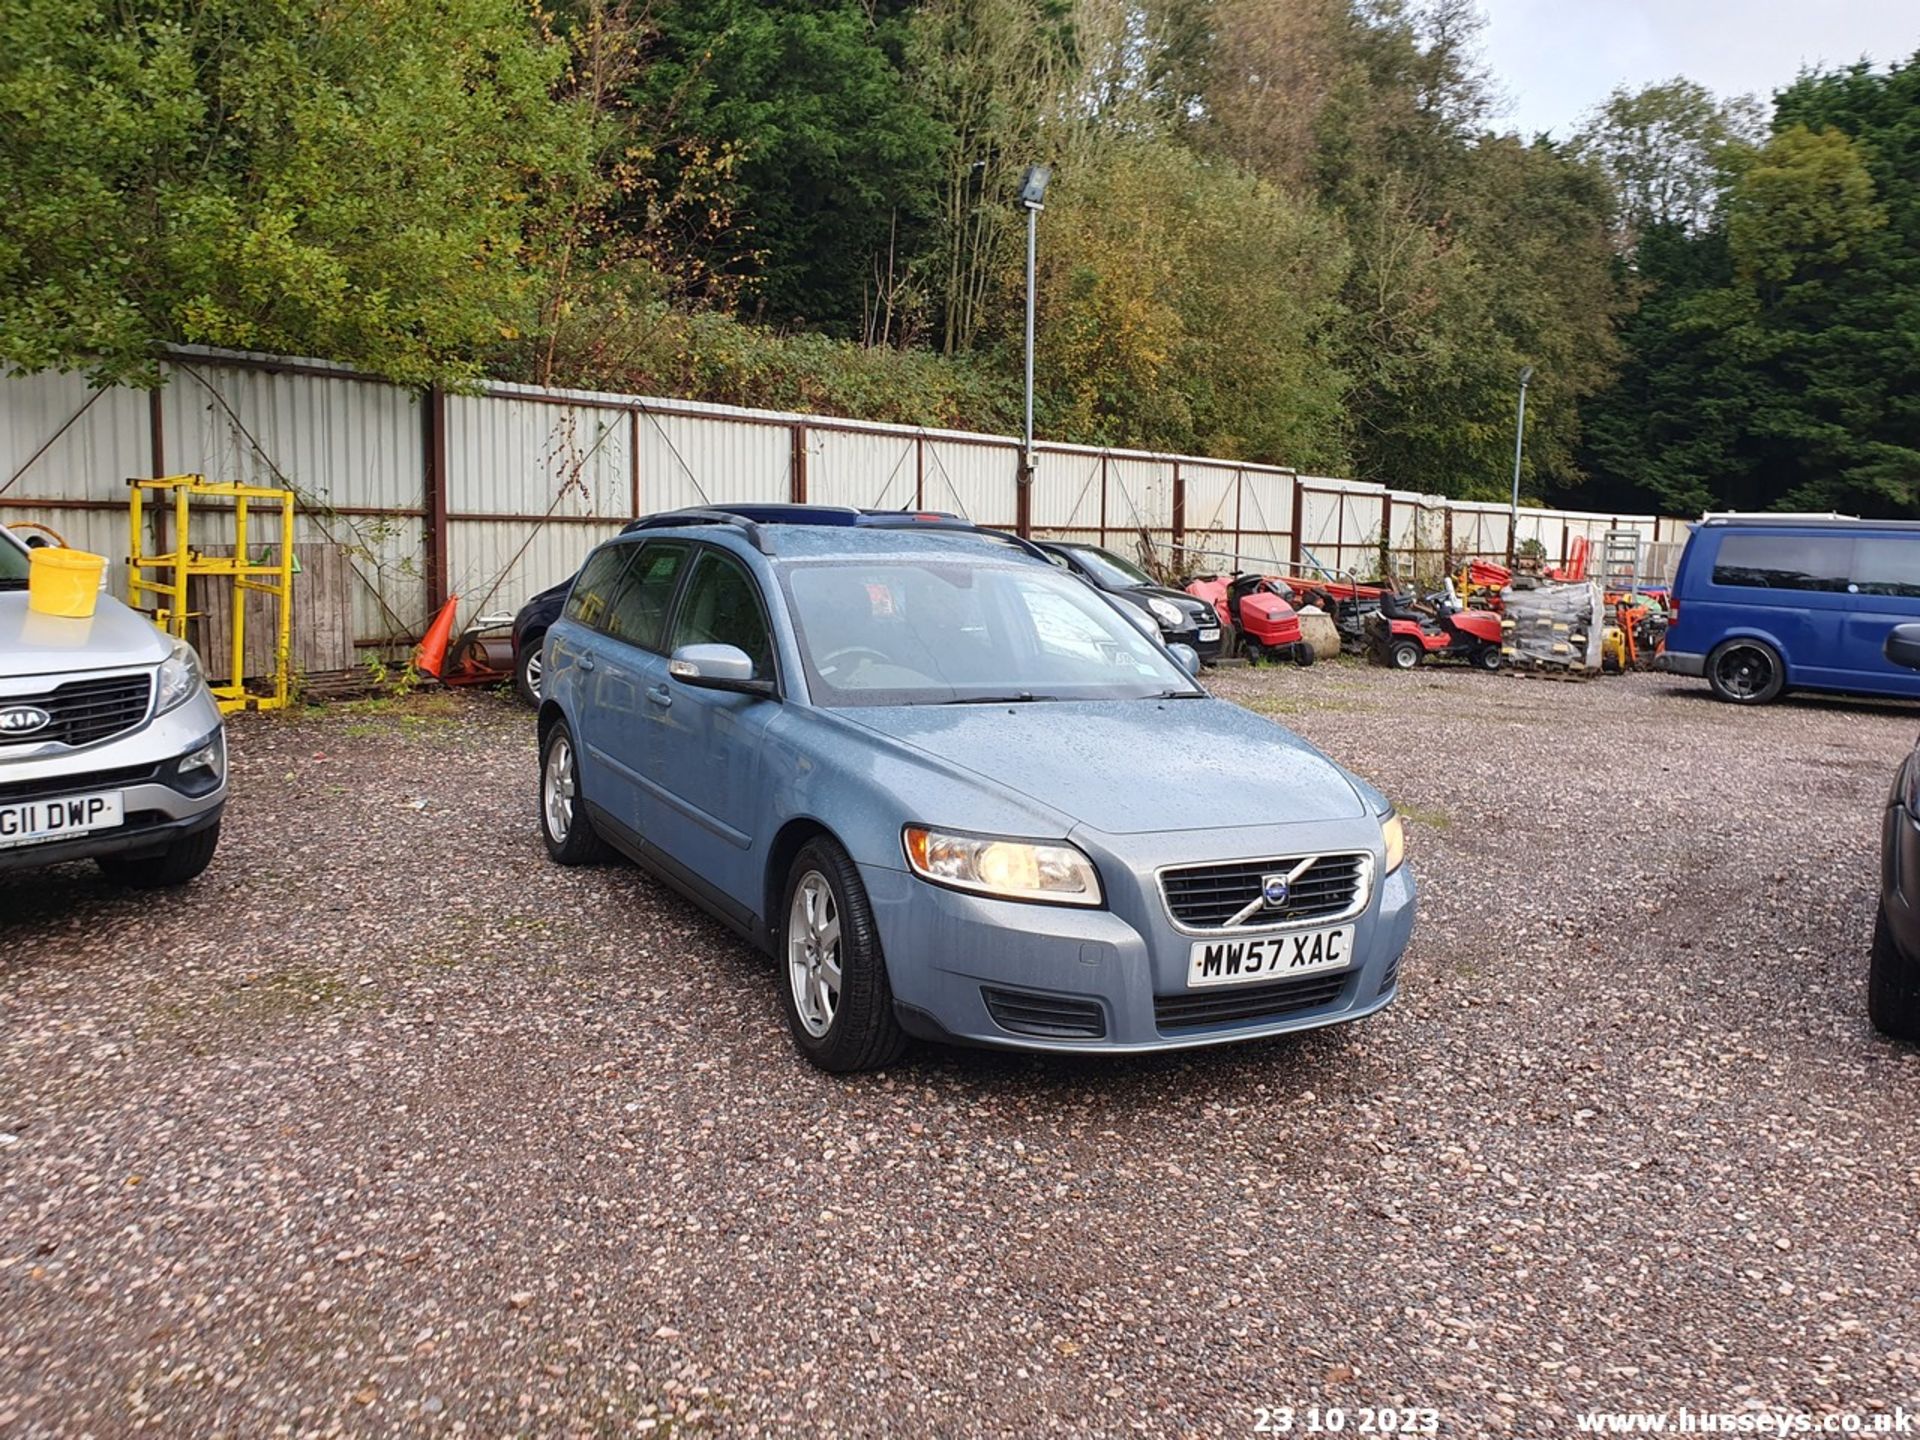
(1765, 604)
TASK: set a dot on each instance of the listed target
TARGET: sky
(1555, 59)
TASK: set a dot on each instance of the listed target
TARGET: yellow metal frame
(176, 567)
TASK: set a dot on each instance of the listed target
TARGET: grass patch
(1427, 819)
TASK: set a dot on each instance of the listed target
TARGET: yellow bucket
(64, 582)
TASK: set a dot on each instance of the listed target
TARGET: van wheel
(833, 977)
(180, 862)
(1746, 672)
(1893, 986)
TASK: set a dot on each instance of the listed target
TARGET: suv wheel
(528, 670)
(1893, 986)
(180, 862)
(833, 976)
(570, 836)
(1746, 672)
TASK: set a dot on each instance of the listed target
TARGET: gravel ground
(389, 1126)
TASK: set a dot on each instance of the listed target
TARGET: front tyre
(180, 862)
(564, 825)
(1487, 657)
(1746, 672)
(1303, 655)
(833, 977)
(1893, 986)
(1403, 654)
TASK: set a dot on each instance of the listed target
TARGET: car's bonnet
(1129, 766)
(35, 644)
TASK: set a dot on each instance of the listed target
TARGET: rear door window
(1888, 565)
(599, 582)
(639, 612)
(1785, 562)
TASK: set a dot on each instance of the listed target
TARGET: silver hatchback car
(111, 747)
(958, 793)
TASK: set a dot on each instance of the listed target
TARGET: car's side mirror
(1903, 646)
(1189, 657)
(717, 667)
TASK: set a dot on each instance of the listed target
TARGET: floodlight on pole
(1033, 193)
(1519, 448)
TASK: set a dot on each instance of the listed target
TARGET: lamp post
(1033, 191)
(1519, 448)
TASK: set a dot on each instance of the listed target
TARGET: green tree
(1671, 150)
(838, 164)
(343, 178)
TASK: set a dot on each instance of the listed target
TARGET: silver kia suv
(111, 748)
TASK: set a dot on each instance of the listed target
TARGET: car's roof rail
(701, 516)
(752, 519)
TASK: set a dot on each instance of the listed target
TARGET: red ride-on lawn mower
(1259, 608)
(1403, 636)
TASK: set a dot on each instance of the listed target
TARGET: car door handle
(586, 662)
(660, 696)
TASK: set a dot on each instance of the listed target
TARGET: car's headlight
(179, 679)
(1170, 615)
(1010, 869)
(1394, 832)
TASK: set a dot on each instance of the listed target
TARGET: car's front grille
(1194, 1008)
(77, 783)
(1208, 897)
(1024, 1012)
(84, 712)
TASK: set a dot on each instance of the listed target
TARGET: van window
(1888, 565)
(1785, 562)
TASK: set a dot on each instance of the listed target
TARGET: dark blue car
(1764, 604)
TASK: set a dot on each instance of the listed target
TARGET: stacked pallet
(1550, 627)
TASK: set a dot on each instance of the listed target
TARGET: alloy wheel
(1745, 671)
(813, 953)
(558, 788)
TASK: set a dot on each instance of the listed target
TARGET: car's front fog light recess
(1394, 832)
(1009, 869)
(210, 757)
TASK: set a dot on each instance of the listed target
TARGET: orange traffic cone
(431, 657)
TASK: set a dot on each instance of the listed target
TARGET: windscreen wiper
(1179, 695)
(1024, 697)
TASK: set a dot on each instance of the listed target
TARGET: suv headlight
(1394, 832)
(1009, 869)
(1170, 615)
(179, 679)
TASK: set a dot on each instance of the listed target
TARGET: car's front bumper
(160, 802)
(1680, 662)
(1208, 650)
(948, 952)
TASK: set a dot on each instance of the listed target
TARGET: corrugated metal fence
(496, 494)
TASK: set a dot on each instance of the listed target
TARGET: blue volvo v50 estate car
(955, 792)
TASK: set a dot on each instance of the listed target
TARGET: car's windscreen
(1110, 569)
(898, 632)
(13, 565)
